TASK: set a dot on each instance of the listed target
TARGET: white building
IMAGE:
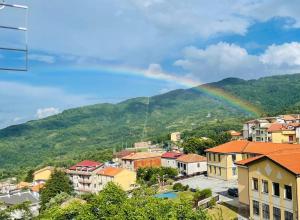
(175, 136)
(168, 159)
(189, 164)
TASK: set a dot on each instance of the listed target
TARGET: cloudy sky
(86, 52)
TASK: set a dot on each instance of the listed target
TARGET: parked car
(233, 192)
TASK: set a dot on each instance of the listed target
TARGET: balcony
(88, 181)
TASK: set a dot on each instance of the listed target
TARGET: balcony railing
(84, 180)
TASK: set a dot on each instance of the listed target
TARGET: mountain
(86, 131)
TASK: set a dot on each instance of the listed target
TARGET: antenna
(24, 50)
(146, 120)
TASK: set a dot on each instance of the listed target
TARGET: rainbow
(157, 73)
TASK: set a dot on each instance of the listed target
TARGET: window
(255, 207)
(276, 191)
(219, 157)
(184, 166)
(209, 156)
(287, 192)
(215, 170)
(265, 211)
(265, 186)
(288, 215)
(276, 213)
(220, 171)
(178, 165)
(233, 157)
(291, 138)
(255, 184)
(214, 157)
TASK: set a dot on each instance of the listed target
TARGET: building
(175, 136)
(168, 159)
(42, 175)
(142, 144)
(126, 179)
(119, 155)
(283, 133)
(141, 160)
(83, 176)
(221, 159)
(190, 164)
(17, 198)
(269, 185)
(235, 135)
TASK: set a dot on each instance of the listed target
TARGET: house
(221, 159)
(168, 159)
(17, 198)
(42, 175)
(190, 164)
(235, 135)
(119, 155)
(126, 179)
(142, 144)
(175, 136)
(283, 133)
(140, 160)
(269, 185)
(83, 176)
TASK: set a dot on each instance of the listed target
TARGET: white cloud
(229, 60)
(285, 54)
(42, 58)
(140, 32)
(46, 112)
(19, 101)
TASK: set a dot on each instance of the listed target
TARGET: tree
(197, 145)
(57, 184)
(29, 177)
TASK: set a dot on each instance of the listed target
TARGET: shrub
(212, 202)
(180, 187)
(170, 182)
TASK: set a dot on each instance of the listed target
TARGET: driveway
(216, 185)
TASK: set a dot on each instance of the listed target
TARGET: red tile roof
(288, 158)
(243, 146)
(110, 171)
(123, 153)
(275, 127)
(191, 158)
(171, 155)
(86, 164)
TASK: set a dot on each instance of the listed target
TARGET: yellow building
(221, 159)
(43, 174)
(282, 133)
(122, 177)
(269, 185)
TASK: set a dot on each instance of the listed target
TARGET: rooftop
(110, 171)
(142, 155)
(243, 146)
(191, 158)
(19, 198)
(171, 155)
(86, 165)
(288, 158)
(123, 153)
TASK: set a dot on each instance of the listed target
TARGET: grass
(186, 195)
(222, 211)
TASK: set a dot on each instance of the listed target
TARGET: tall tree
(58, 183)
(29, 177)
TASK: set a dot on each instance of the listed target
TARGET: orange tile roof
(275, 127)
(288, 158)
(142, 155)
(243, 146)
(234, 133)
(191, 158)
(110, 171)
(288, 118)
(37, 187)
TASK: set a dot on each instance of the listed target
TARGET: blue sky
(111, 50)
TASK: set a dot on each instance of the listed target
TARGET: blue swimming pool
(167, 195)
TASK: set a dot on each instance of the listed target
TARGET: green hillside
(86, 131)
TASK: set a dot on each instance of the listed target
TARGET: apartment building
(42, 175)
(221, 159)
(140, 160)
(283, 133)
(83, 176)
(168, 159)
(126, 179)
(190, 164)
(269, 185)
